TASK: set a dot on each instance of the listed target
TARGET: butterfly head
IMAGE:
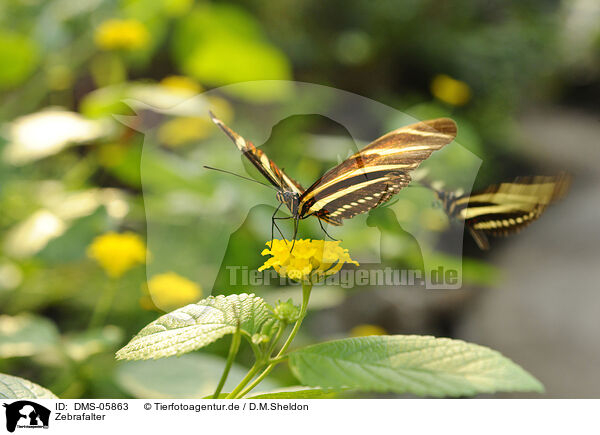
(290, 199)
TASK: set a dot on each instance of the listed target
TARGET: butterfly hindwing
(358, 197)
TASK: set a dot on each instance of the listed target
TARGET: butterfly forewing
(377, 172)
(259, 159)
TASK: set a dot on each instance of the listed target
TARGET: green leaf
(222, 44)
(197, 325)
(26, 335)
(12, 387)
(208, 64)
(18, 57)
(301, 393)
(190, 376)
(212, 21)
(421, 365)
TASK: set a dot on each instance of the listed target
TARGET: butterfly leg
(278, 230)
(295, 232)
(273, 224)
(325, 231)
(277, 226)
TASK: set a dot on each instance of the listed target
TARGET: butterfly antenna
(238, 175)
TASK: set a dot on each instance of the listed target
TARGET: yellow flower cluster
(170, 290)
(309, 260)
(183, 130)
(121, 34)
(117, 253)
(449, 90)
(179, 131)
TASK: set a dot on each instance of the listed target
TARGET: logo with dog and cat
(25, 414)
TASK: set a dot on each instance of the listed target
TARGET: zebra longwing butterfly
(505, 208)
(362, 182)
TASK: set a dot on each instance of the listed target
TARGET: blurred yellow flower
(310, 259)
(117, 34)
(181, 83)
(183, 129)
(450, 90)
(179, 131)
(170, 290)
(366, 329)
(117, 253)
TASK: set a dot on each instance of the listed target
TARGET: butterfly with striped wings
(362, 182)
(506, 208)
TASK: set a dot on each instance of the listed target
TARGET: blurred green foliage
(110, 62)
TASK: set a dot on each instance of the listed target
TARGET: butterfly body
(290, 199)
(362, 182)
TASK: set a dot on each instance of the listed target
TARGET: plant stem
(282, 327)
(306, 289)
(103, 306)
(259, 379)
(233, 350)
(251, 373)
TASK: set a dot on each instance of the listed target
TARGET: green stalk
(233, 350)
(251, 373)
(306, 289)
(103, 306)
(282, 327)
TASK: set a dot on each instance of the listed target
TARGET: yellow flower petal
(309, 258)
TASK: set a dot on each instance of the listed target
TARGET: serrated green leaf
(13, 387)
(300, 393)
(197, 325)
(26, 335)
(421, 365)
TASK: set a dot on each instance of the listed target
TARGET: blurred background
(107, 219)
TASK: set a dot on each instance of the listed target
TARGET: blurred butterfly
(504, 208)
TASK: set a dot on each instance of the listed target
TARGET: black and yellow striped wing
(376, 173)
(507, 208)
(259, 159)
